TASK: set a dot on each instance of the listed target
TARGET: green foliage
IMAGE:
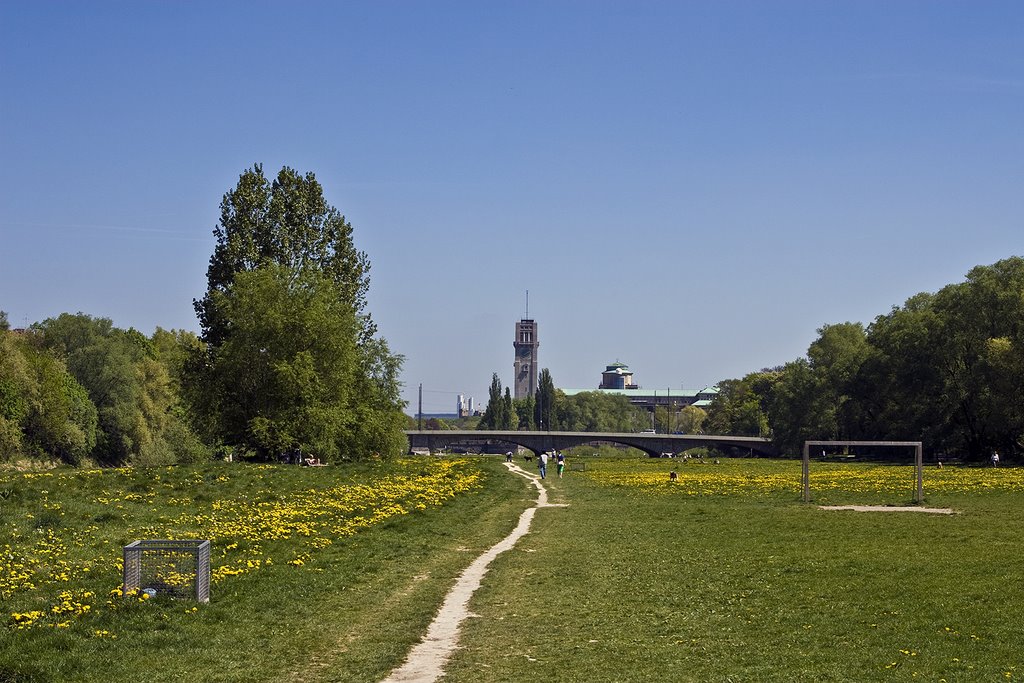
(593, 411)
(509, 417)
(670, 419)
(524, 410)
(690, 420)
(945, 368)
(290, 361)
(435, 424)
(64, 422)
(798, 411)
(291, 375)
(15, 386)
(741, 406)
(44, 412)
(498, 414)
(122, 405)
(545, 400)
(285, 222)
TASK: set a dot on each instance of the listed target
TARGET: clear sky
(690, 188)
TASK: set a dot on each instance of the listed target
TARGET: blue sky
(690, 188)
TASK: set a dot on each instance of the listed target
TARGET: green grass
(649, 583)
(722, 576)
(350, 612)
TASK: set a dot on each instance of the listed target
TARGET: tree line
(289, 361)
(945, 368)
(588, 411)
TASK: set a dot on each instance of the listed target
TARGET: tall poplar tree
(286, 222)
(493, 413)
(544, 409)
(291, 361)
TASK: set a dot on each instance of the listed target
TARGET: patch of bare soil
(889, 508)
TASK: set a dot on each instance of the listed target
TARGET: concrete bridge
(652, 444)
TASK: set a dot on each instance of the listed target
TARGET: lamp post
(654, 411)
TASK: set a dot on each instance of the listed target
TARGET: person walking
(560, 461)
(542, 463)
(995, 459)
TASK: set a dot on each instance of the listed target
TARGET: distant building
(618, 379)
(464, 406)
(525, 344)
(617, 376)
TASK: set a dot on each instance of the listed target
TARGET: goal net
(918, 461)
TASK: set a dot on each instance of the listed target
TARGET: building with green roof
(617, 379)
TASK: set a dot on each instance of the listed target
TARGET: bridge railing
(653, 444)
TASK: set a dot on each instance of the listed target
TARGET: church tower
(526, 358)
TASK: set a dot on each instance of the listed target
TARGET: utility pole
(420, 411)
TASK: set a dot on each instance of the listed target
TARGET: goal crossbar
(918, 462)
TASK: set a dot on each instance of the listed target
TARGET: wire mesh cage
(180, 569)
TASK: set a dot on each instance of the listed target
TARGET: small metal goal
(918, 462)
(180, 569)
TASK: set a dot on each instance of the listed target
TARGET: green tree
(63, 421)
(945, 365)
(837, 357)
(173, 349)
(508, 415)
(323, 383)
(901, 378)
(103, 360)
(691, 420)
(545, 401)
(291, 375)
(15, 388)
(44, 412)
(436, 423)
(741, 406)
(494, 413)
(524, 410)
(286, 222)
(798, 411)
(134, 396)
(595, 411)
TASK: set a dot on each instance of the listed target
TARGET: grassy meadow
(317, 573)
(332, 574)
(724, 575)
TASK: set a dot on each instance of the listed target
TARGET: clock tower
(525, 364)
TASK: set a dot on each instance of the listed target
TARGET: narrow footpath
(426, 661)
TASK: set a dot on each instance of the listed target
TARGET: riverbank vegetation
(945, 368)
(289, 361)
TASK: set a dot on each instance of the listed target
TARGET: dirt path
(426, 661)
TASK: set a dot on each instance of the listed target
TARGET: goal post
(918, 462)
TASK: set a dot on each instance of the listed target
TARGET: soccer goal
(918, 461)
